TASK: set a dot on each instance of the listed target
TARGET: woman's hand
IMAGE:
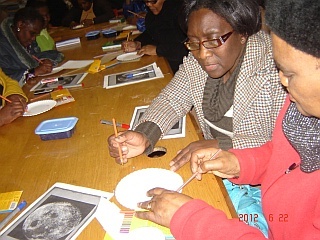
(162, 206)
(87, 22)
(225, 164)
(13, 110)
(73, 24)
(132, 144)
(184, 155)
(44, 67)
(148, 50)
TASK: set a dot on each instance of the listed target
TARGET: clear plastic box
(57, 128)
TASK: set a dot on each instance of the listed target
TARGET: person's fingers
(155, 191)
(146, 205)
(212, 165)
(146, 215)
(180, 160)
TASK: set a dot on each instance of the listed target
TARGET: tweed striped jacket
(258, 96)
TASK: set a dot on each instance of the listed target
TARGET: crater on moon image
(51, 221)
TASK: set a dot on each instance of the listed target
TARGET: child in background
(44, 40)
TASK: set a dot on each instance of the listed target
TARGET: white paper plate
(129, 57)
(54, 70)
(39, 107)
(146, 233)
(133, 188)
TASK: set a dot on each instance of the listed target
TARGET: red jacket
(291, 202)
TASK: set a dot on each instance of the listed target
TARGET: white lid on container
(56, 125)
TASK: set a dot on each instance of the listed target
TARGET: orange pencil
(37, 59)
(116, 134)
(6, 99)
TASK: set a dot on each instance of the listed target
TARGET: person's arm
(144, 38)
(12, 86)
(253, 163)
(152, 132)
(10, 66)
(197, 220)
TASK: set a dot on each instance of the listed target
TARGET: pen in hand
(12, 214)
(195, 174)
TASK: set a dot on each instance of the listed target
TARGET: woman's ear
(243, 39)
(20, 24)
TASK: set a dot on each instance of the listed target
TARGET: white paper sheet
(73, 64)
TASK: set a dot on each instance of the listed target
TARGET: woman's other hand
(184, 155)
(148, 50)
(87, 22)
(162, 206)
(225, 164)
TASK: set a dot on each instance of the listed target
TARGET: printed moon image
(51, 221)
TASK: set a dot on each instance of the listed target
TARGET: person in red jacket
(287, 167)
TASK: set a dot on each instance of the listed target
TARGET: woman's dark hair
(243, 15)
(297, 22)
(27, 15)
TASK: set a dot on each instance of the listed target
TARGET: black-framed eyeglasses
(150, 1)
(211, 43)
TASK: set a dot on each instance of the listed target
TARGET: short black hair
(243, 15)
(297, 22)
(27, 15)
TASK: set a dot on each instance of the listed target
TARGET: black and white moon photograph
(56, 217)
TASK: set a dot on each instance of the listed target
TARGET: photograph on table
(145, 73)
(177, 131)
(63, 81)
(61, 213)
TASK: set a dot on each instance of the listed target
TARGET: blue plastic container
(109, 33)
(57, 128)
(93, 35)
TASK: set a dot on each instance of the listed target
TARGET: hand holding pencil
(14, 107)
(131, 144)
(45, 66)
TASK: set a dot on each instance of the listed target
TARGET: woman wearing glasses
(288, 167)
(163, 35)
(230, 79)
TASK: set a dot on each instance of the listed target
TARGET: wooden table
(32, 165)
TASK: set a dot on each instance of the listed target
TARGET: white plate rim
(122, 199)
(133, 55)
(50, 103)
